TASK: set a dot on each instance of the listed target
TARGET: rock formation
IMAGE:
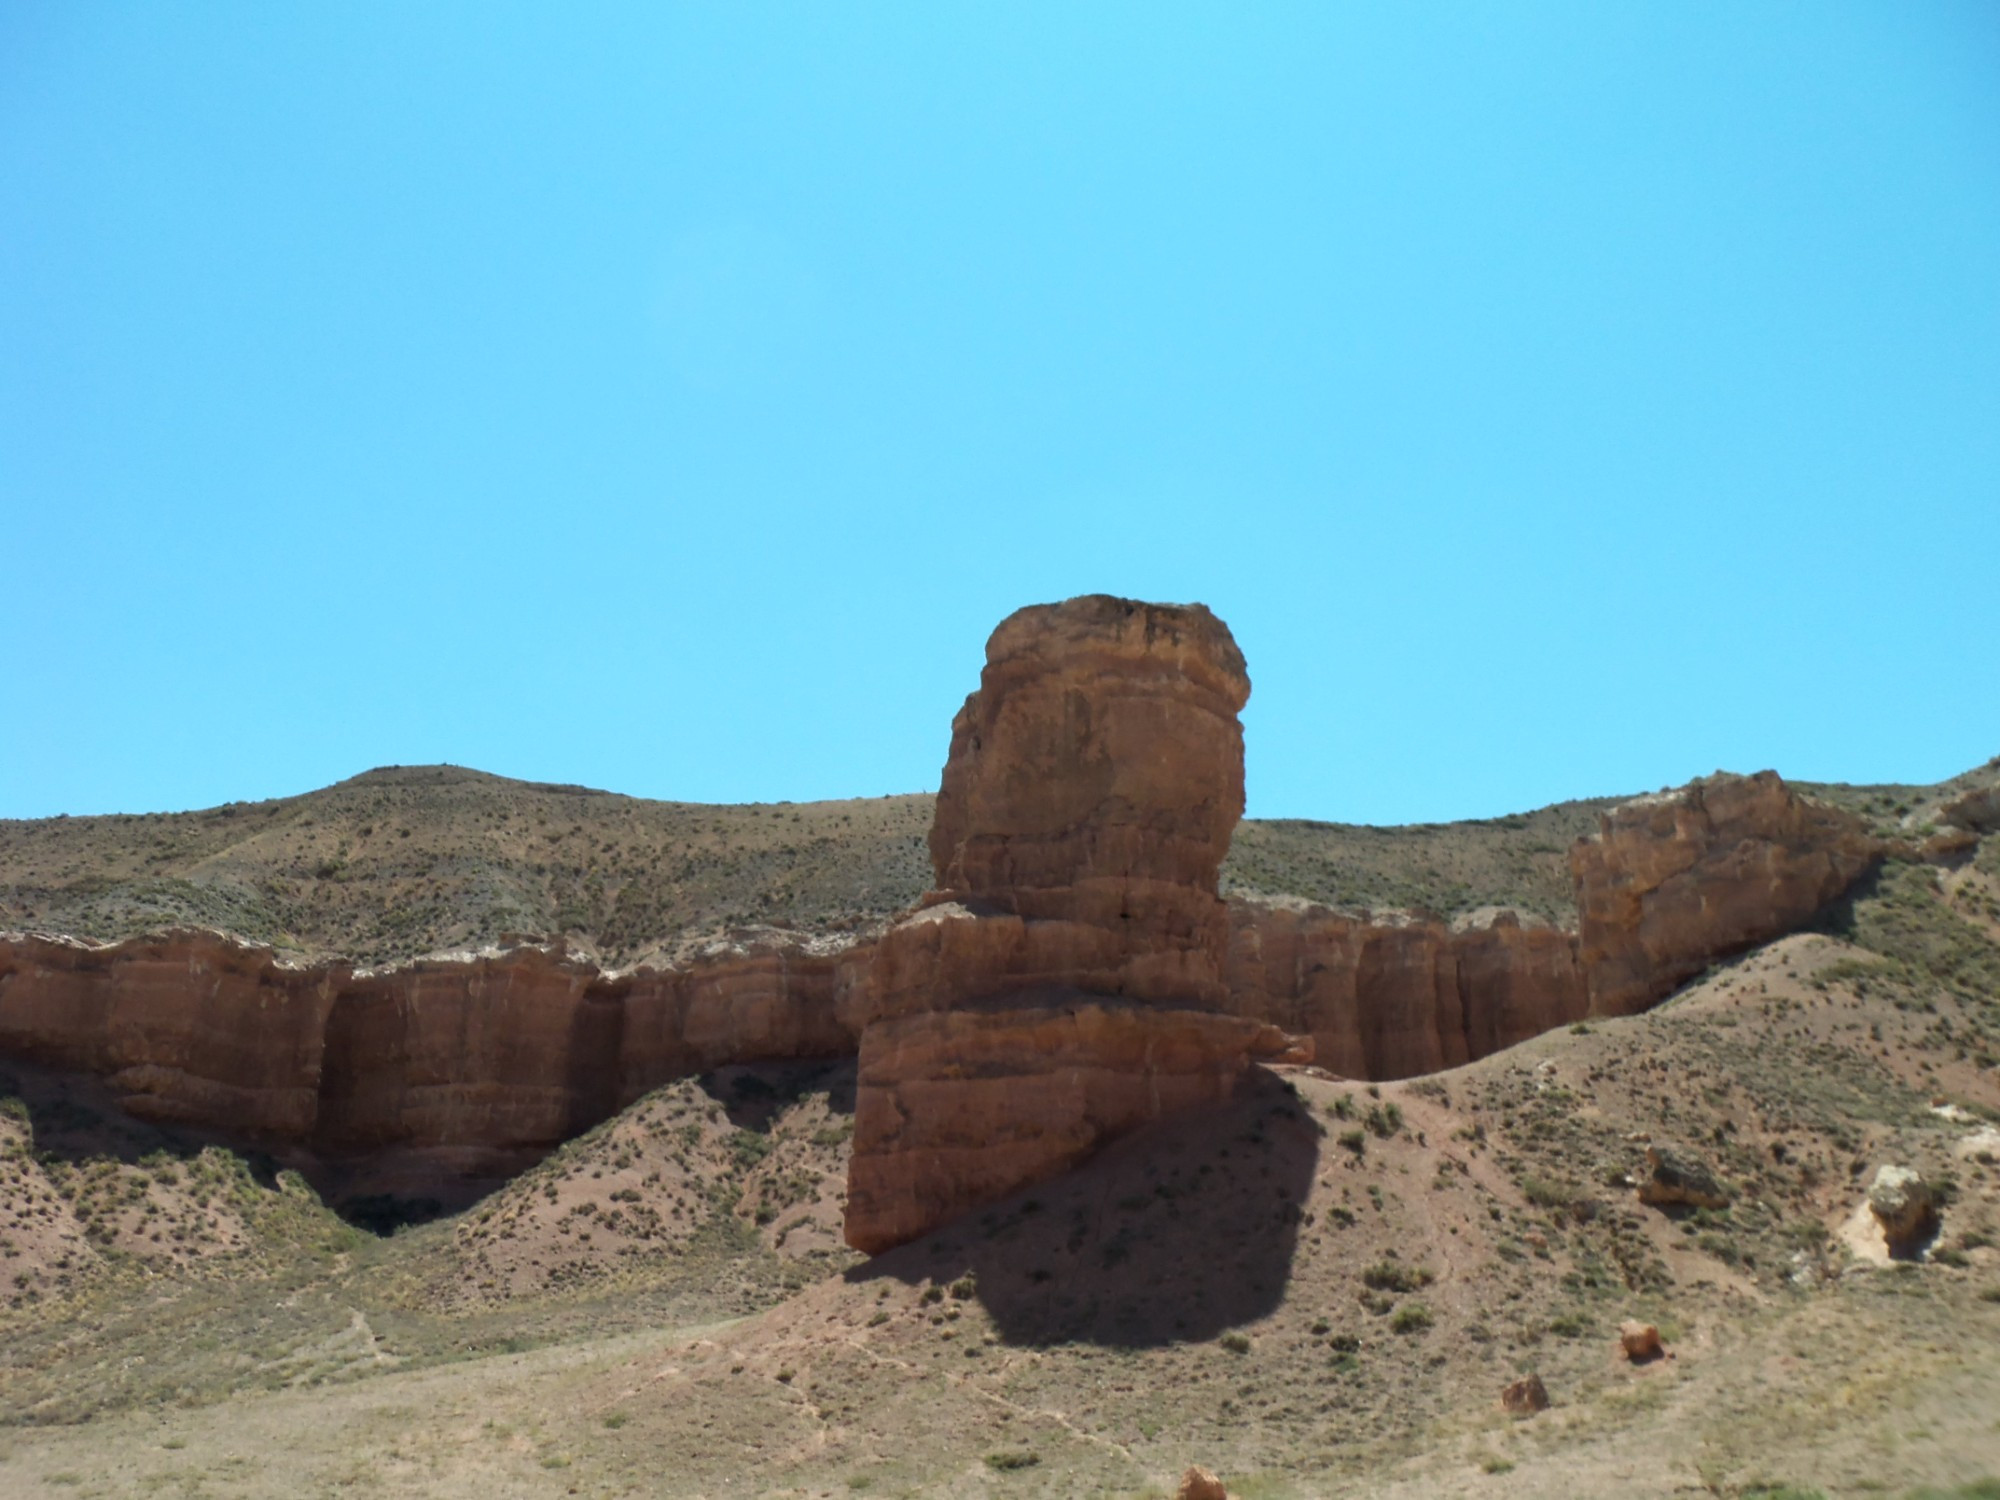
(1906, 1208)
(1640, 1341)
(410, 1078)
(961, 1107)
(1671, 883)
(1677, 1180)
(1073, 973)
(1093, 784)
(1395, 996)
(1064, 982)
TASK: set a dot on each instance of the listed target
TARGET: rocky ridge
(1092, 789)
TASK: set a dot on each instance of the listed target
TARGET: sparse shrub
(1384, 1120)
(1411, 1317)
(1235, 1343)
(1354, 1140)
(1012, 1458)
(1389, 1276)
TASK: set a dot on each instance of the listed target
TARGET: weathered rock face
(463, 1068)
(1061, 986)
(1395, 997)
(961, 1107)
(1671, 883)
(186, 1026)
(1088, 800)
(1906, 1208)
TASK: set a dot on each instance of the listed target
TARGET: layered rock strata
(1093, 784)
(455, 1068)
(961, 1107)
(1400, 995)
(1064, 982)
(1671, 883)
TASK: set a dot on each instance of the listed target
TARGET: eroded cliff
(1073, 972)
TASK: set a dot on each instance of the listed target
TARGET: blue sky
(1555, 399)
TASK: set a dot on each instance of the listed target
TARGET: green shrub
(1411, 1317)
(1391, 1276)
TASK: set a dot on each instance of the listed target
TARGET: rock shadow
(76, 1117)
(1173, 1234)
(754, 1094)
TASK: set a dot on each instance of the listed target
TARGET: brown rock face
(1525, 1396)
(958, 1108)
(1671, 883)
(1092, 786)
(1392, 998)
(1060, 987)
(408, 1079)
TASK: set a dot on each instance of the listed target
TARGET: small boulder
(1525, 1396)
(1199, 1484)
(1641, 1342)
(1678, 1178)
(1905, 1207)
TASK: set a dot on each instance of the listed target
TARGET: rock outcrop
(1064, 982)
(961, 1107)
(1671, 883)
(1976, 810)
(1073, 973)
(1200, 1484)
(1395, 996)
(1905, 1207)
(1677, 1180)
(410, 1078)
(1640, 1341)
(1092, 786)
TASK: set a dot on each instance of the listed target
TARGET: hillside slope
(404, 861)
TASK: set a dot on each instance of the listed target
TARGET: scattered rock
(1905, 1207)
(1641, 1341)
(1680, 1179)
(1525, 1396)
(1199, 1484)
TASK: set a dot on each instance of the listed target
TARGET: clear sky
(1555, 399)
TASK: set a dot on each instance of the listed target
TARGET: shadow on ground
(754, 1094)
(1175, 1234)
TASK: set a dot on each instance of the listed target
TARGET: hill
(404, 861)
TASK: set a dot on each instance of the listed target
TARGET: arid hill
(408, 860)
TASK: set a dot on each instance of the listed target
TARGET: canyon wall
(1073, 973)
(398, 1079)
(1673, 882)
(1398, 995)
